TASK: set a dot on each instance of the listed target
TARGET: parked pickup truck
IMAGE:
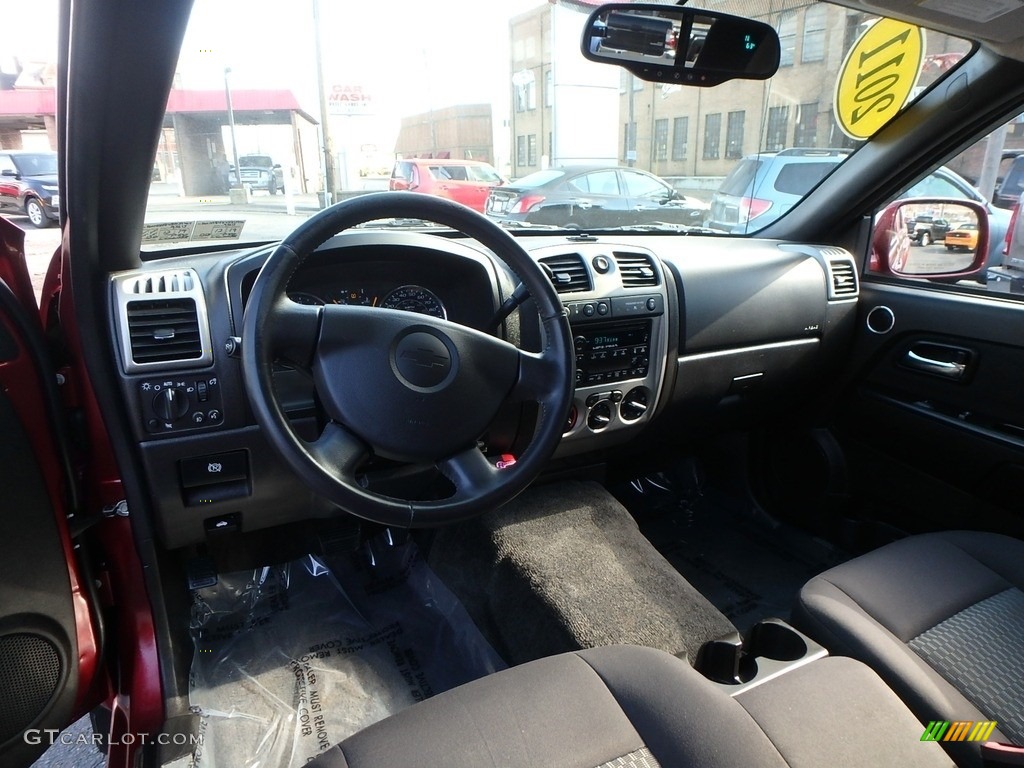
(260, 172)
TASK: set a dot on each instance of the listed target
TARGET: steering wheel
(400, 385)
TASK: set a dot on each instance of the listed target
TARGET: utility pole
(328, 152)
(231, 122)
(990, 165)
(631, 125)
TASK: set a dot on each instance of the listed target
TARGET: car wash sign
(349, 100)
(878, 76)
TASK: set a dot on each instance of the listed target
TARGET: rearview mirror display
(681, 45)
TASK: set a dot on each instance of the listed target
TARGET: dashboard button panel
(174, 404)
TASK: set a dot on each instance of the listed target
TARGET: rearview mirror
(936, 238)
(670, 44)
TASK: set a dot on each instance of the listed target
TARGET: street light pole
(325, 134)
(231, 122)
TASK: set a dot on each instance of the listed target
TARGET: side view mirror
(687, 46)
(939, 239)
(9, 172)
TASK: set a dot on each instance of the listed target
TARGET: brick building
(464, 131)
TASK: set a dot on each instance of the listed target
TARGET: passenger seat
(940, 617)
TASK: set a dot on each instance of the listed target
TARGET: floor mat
(745, 563)
(289, 660)
(564, 567)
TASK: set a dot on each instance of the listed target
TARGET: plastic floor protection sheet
(289, 660)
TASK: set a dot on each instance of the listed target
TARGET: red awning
(28, 102)
(241, 101)
(42, 101)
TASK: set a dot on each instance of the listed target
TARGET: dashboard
(663, 327)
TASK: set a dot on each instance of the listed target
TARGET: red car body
(464, 181)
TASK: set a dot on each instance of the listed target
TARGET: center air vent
(162, 319)
(843, 277)
(569, 274)
(164, 331)
(636, 269)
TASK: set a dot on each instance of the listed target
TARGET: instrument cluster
(408, 298)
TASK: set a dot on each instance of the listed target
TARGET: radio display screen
(612, 353)
(615, 338)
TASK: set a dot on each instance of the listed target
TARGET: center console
(616, 303)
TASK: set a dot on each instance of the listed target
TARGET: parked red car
(464, 181)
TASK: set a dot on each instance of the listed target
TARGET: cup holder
(724, 661)
(771, 648)
(774, 639)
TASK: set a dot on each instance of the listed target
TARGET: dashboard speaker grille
(569, 274)
(164, 330)
(636, 270)
(30, 671)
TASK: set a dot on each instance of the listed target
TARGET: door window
(597, 183)
(639, 185)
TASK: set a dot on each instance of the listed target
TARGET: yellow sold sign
(878, 76)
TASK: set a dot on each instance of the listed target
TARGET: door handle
(954, 368)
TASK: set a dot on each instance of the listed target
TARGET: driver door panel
(45, 630)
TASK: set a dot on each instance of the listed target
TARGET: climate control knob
(634, 404)
(600, 416)
(170, 404)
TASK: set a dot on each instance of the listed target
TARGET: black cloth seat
(940, 617)
(626, 706)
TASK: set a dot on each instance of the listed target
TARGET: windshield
(259, 136)
(42, 164)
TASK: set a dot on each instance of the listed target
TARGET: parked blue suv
(761, 188)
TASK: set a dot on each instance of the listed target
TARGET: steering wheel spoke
(339, 451)
(539, 376)
(471, 473)
(294, 329)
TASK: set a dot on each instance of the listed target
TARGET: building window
(734, 135)
(712, 135)
(813, 48)
(629, 142)
(778, 128)
(531, 145)
(520, 96)
(837, 138)
(525, 91)
(549, 88)
(625, 78)
(806, 125)
(680, 131)
(520, 150)
(787, 38)
(551, 146)
(661, 139)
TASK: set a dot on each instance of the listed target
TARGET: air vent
(843, 277)
(163, 331)
(161, 317)
(165, 282)
(569, 274)
(636, 269)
